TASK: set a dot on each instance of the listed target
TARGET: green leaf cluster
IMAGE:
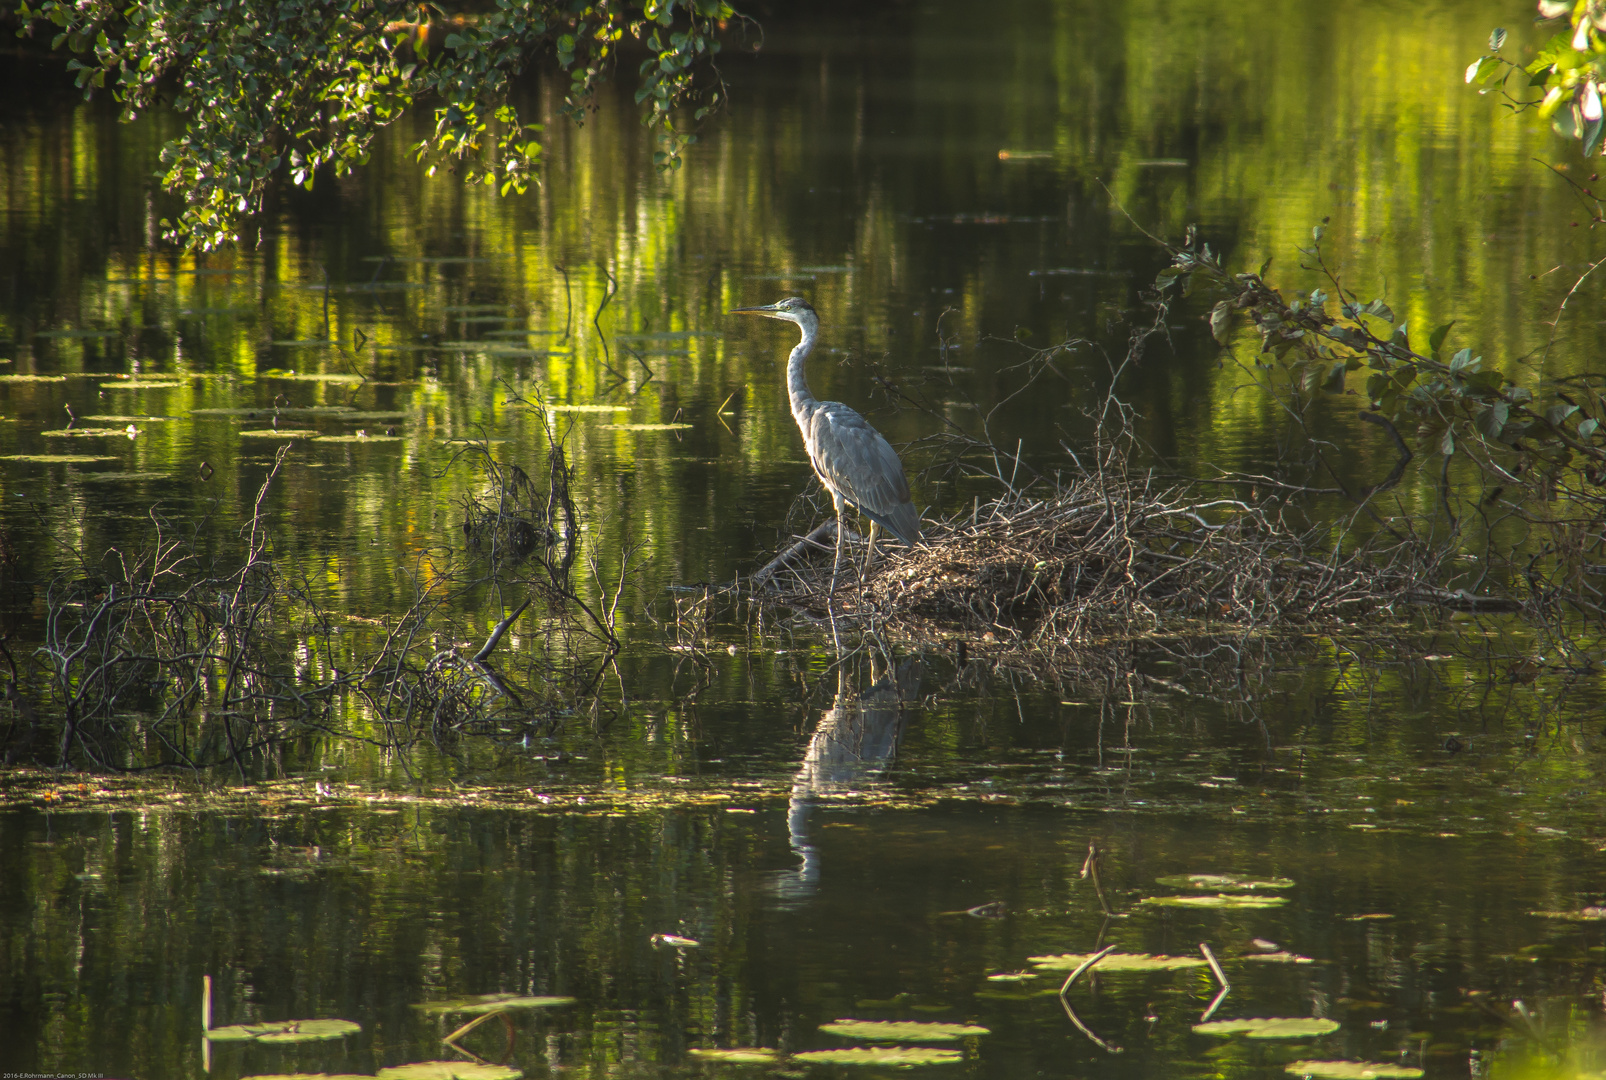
(1308, 346)
(272, 89)
(1563, 81)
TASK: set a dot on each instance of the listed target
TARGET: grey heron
(852, 459)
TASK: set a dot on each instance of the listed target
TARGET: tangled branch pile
(160, 655)
(1105, 555)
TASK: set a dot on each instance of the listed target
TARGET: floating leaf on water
(123, 477)
(313, 376)
(647, 427)
(675, 941)
(1352, 1070)
(125, 419)
(359, 437)
(310, 1076)
(1011, 976)
(58, 459)
(298, 413)
(1279, 958)
(1223, 900)
(899, 1057)
(32, 378)
(279, 433)
(588, 408)
(141, 384)
(1272, 1028)
(1224, 882)
(285, 1031)
(448, 1070)
(82, 432)
(902, 1030)
(736, 1055)
(1118, 962)
(484, 1003)
(1588, 914)
(1375, 915)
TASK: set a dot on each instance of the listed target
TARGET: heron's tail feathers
(902, 521)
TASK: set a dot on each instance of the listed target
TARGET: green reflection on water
(862, 170)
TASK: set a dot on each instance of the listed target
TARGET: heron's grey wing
(854, 459)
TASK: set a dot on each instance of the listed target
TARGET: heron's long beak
(765, 309)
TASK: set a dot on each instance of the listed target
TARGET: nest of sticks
(1101, 556)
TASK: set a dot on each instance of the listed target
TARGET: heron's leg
(841, 527)
(869, 555)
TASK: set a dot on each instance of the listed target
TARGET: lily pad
(32, 378)
(58, 459)
(1222, 900)
(1271, 1028)
(285, 1031)
(736, 1055)
(279, 433)
(83, 432)
(899, 1057)
(484, 1003)
(123, 477)
(1279, 958)
(1588, 914)
(1119, 962)
(902, 1030)
(311, 1076)
(647, 427)
(587, 408)
(448, 1070)
(125, 420)
(358, 438)
(1224, 882)
(141, 384)
(1012, 976)
(1352, 1070)
(313, 376)
(299, 413)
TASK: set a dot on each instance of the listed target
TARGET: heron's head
(793, 309)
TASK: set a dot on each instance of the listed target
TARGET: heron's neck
(797, 386)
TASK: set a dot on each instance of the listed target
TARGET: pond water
(945, 192)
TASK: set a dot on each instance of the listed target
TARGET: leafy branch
(291, 87)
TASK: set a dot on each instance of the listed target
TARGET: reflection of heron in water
(852, 459)
(857, 738)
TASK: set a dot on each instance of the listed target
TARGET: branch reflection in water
(855, 742)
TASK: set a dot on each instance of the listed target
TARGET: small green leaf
(1587, 428)
(1447, 444)
(1221, 322)
(1436, 339)
(1593, 130)
(1558, 413)
(1497, 38)
(1492, 421)
(1462, 359)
